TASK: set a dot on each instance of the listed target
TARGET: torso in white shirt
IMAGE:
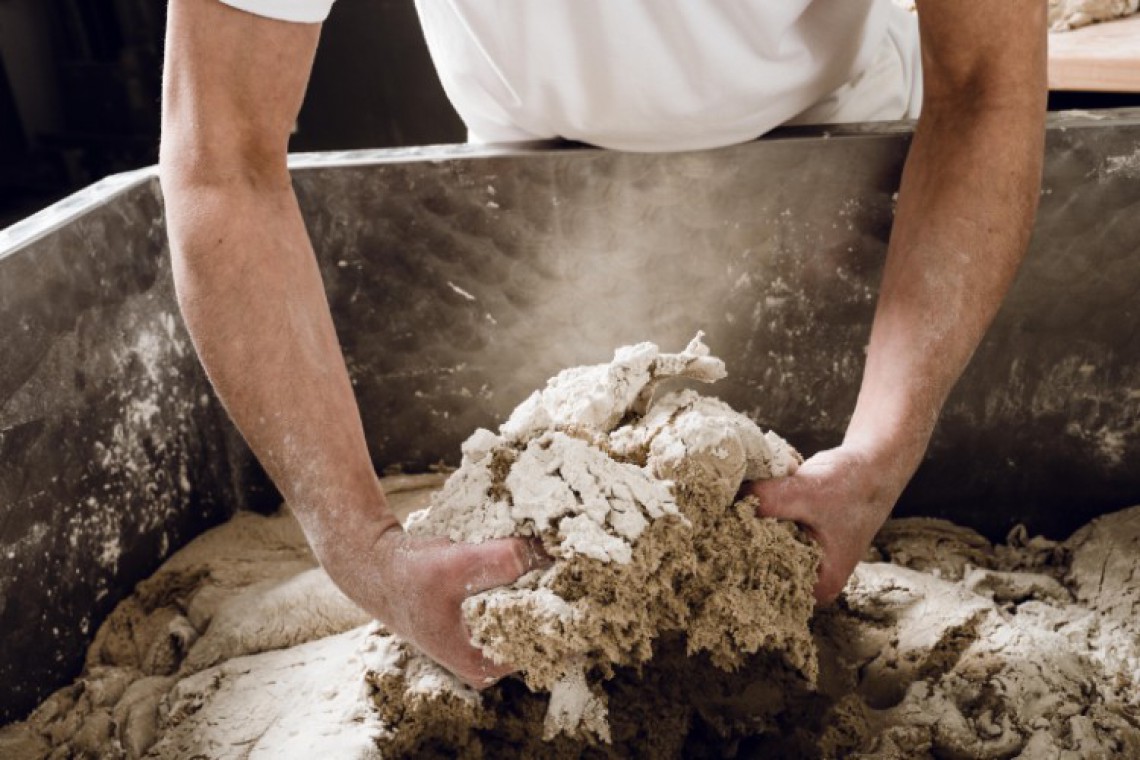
(647, 74)
(660, 74)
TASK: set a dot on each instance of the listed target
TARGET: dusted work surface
(460, 278)
(1101, 57)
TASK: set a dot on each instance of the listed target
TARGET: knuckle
(519, 557)
(506, 558)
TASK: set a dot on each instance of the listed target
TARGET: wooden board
(1102, 57)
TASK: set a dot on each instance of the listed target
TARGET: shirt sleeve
(299, 11)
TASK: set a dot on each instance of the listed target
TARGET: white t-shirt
(657, 75)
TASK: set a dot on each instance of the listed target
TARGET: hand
(415, 586)
(842, 497)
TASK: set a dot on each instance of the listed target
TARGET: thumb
(778, 497)
(503, 560)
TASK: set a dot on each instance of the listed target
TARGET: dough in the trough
(634, 496)
(943, 645)
(249, 586)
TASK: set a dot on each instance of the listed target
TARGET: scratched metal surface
(460, 285)
(461, 278)
(113, 453)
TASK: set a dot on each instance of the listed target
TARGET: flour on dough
(1071, 14)
(943, 644)
(634, 495)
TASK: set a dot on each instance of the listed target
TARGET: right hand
(416, 586)
(842, 497)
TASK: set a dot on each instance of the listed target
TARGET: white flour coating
(597, 397)
(587, 465)
(1071, 14)
(1065, 15)
(560, 482)
(247, 591)
(945, 646)
(573, 703)
(308, 700)
(1025, 650)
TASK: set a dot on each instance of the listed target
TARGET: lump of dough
(635, 498)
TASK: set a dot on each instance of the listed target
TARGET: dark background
(80, 83)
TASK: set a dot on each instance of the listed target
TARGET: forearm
(247, 280)
(252, 298)
(966, 206)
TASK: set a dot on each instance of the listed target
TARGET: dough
(251, 585)
(635, 498)
(1071, 14)
(943, 645)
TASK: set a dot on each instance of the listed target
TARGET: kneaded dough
(1071, 14)
(941, 645)
(634, 495)
(249, 586)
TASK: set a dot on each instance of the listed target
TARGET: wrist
(892, 439)
(341, 534)
(357, 551)
(892, 454)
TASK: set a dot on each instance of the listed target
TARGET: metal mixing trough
(461, 278)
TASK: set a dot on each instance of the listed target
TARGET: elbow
(211, 194)
(982, 95)
(986, 84)
(1006, 73)
(189, 165)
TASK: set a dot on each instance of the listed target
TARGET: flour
(1071, 14)
(622, 489)
(1026, 649)
(672, 623)
(249, 589)
(1065, 15)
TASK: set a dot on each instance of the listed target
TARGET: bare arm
(966, 206)
(253, 301)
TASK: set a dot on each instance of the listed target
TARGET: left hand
(842, 497)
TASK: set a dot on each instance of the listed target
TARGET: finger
(467, 662)
(487, 674)
(476, 670)
(783, 499)
(830, 582)
(779, 497)
(502, 561)
(826, 593)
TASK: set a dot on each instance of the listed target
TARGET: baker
(645, 75)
